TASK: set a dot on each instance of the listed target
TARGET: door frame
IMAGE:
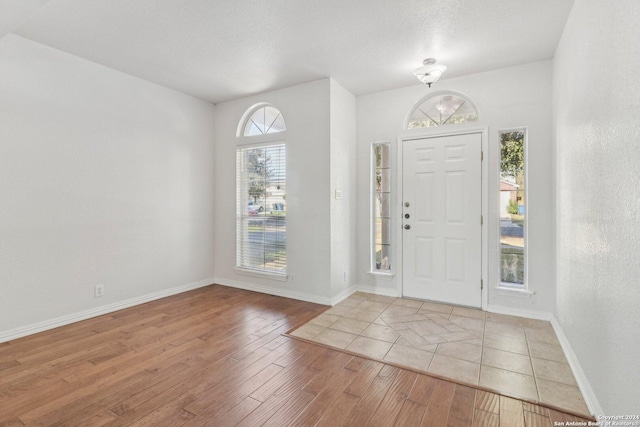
(437, 132)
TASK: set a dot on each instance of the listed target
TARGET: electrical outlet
(292, 277)
(99, 290)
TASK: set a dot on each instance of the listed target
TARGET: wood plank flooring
(216, 357)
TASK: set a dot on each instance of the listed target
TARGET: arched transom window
(442, 108)
(265, 119)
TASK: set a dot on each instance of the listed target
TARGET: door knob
(407, 226)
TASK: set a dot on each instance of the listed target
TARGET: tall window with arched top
(261, 193)
(440, 109)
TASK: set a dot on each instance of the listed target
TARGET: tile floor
(521, 357)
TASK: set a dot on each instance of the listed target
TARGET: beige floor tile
(553, 371)
(547, 336)
(350, 302)
(379, 332)
(382, 298)
(439, 318)
(507, 360)
(561, 395)
(437, 307)
(380, 322)
(468, 312)
(452, 327)
(506, 330)
(537, 324)
(335, 338)
(431, 348)
(324, 319)
(458, 336)
(435, 339)
(461, 350)
(427, 327)
(520, 385)
(501, 342)
(392, 319)
(427, 347)
(338, 310)
(408, 303)
(308, 331)
(415, 339)
(456, 369)
(369, 347)
(360, 295)
(349, 325)
(503, 318)
(410, 357)
(360, 314)
(376, 306)
(475, 341)
(399, 310)
(547, 351)
(467, 322)
(450, 342)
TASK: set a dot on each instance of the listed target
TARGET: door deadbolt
(407, 216)
(407, 226)
(407, 204)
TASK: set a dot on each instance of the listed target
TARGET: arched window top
(261, 119)
(441, 108)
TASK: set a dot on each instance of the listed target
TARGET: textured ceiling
(15, 12)
(220, 50)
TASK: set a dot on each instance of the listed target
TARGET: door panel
(442, 246)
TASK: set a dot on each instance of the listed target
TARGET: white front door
(441, 219)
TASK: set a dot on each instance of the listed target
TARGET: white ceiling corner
(15, 12)
(221, 50)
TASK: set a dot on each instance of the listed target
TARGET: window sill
(513, 291)
(262, 274)
(381, 275)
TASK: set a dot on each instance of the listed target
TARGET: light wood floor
(216, 357)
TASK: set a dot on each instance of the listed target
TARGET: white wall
(306, 111)
(343, 178)
(506, 98)
(104, 179)
(596, 109)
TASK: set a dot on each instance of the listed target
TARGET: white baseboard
(510, 311)
(585, 387)
(273, 291)
(378, 291)
(23, 331)
(343, 295)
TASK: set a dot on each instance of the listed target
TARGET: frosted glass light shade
(430, 73)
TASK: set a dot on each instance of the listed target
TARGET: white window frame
(508, 288)
(424, 99)
(372, 209)
(257, 141)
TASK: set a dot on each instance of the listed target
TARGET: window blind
(261, 214)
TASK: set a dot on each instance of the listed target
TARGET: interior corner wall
(305, 109)
(104, 179)
(506, 98)
(343, 190)
(597, 148)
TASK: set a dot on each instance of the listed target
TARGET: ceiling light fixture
(430, 72)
